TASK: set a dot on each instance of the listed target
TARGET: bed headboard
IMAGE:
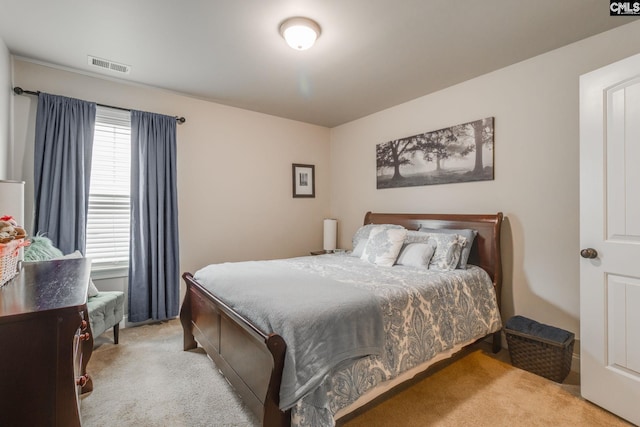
(485, 251)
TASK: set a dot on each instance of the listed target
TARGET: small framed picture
(304, 180)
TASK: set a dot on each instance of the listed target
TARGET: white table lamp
(330, 235)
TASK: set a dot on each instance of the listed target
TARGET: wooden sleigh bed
(252, 360)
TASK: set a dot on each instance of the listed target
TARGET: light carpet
(479, 390)
(147, 380)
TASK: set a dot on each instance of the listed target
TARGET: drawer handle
(82, 380)
(85, 336)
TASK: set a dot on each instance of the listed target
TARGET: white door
(610, 237)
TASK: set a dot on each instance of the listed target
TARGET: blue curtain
(62, 169)
(154, 279)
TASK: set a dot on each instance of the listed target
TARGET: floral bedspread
(425, 313)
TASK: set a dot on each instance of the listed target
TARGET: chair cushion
(105, 311)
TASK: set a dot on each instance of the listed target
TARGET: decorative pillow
(40, 249)
(448, 250)
(468, 234)
(416, 237)
(93, 291)
(416, 254)
(361, 236)
(383, 245)
(359, 248)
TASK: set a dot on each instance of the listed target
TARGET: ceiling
(371, 55)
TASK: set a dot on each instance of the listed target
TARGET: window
(108, 218)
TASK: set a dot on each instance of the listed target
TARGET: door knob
(589, 253)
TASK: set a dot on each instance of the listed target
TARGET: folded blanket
(324, 322)
(533, 328)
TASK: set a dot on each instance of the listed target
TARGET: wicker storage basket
(548, 358)
(9, 253)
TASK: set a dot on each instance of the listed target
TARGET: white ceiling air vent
(109, 65)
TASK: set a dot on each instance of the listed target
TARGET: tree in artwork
(438, 157)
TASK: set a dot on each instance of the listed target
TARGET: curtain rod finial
(18, 90)
(181, 120)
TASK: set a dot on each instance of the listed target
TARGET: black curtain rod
(19, 91)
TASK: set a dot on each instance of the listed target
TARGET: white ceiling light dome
(300, 33)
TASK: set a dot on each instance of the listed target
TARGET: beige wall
(5, 108)
(535, 104)
(234, 168)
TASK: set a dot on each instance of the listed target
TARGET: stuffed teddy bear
(9, 230)
(9, 219)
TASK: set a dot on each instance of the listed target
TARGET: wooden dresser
(45, 344)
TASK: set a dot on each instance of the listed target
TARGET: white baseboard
(575, 359)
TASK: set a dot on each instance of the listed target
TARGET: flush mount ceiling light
(300, 33)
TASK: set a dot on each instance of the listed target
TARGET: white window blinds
(108, 218)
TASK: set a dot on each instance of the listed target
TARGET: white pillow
(359, 248)
(360, 237)
(93, 291)
(383, 245)
(416, 254)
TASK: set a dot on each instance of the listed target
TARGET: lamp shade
(300, 33)
(330, 234)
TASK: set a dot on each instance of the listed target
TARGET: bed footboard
(251, 360)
